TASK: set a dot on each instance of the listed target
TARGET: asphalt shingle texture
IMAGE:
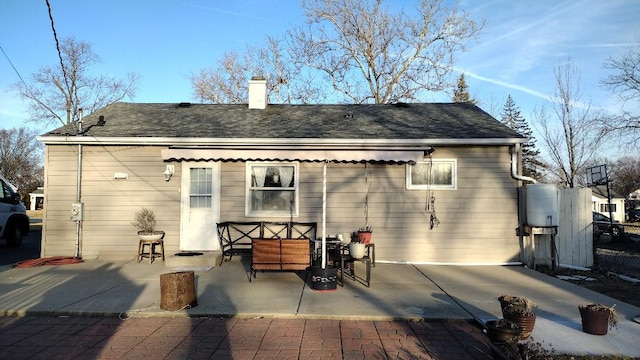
(384, 121)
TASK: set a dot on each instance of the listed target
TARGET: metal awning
(386, 156)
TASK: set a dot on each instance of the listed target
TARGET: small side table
(368, 260)
(151, 252)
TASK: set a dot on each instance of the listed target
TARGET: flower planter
(514, 301)
(499, 332)
(357, 250)
(526, 322)
(364, 237)
(518, 310)
(595, 322)
(156, 235)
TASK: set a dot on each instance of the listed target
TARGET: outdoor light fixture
(428, 152)
(168, 172)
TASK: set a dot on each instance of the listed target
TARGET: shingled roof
(387, 121)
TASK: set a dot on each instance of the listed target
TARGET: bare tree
(359, 48)
(287, 82)
(224, 84)
(21, 159)
(371, 53)
(625, 83)
(57, 93)
(569, 132)
(625, 175)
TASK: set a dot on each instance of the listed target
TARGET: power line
(14, 68)
(64, 73)
(55, 37)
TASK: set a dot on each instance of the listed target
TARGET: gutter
(514, 168)
(275, 143)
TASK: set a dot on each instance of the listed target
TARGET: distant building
(601, 204)
(37, 199)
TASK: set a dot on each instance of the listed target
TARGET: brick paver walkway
(222, 338)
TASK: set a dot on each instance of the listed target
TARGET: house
(437, 182)
(599, 198)
(36, 199)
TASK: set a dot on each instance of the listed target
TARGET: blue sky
(167, 40)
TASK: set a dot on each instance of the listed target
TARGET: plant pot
(595, 322)
(501, 334)
(525, 322)
(156, 235)
(357, 250)
(364, 237)
(515, 302)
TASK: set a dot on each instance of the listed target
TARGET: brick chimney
(257, 93)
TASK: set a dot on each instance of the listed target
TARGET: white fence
(574, 237)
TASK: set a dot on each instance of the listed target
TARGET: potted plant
(503, 331)
(597, 318)
(357, 248)
(364, 234)
(519, 310)
(145, 221)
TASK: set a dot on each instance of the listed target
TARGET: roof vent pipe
(257, 93)
(514, 168)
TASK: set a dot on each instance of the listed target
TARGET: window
(201, 187)
(272, 189)
(437, 174)
(7, 196)
(604, 208)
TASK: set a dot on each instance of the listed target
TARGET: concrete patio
(398, 291)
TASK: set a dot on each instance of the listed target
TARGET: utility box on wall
(77, 211)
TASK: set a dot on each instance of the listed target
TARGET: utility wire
(14, 68)
(64, 73)
(55, 37)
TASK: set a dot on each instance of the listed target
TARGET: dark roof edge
(274, 142)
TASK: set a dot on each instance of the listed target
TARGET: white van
(14, 222)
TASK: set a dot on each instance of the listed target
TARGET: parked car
(633, 214)
(14, 222)
(602, 225)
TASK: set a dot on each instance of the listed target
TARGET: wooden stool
(151, 252)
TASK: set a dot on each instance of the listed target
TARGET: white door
(200, 206)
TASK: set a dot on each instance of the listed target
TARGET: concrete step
(207, 259)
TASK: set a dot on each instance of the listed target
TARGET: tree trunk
(177, 291)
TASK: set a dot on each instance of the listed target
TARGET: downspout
(514, 174)
(514, 166)
(78, 252)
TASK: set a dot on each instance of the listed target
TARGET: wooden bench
(236, 237)
(280, 255)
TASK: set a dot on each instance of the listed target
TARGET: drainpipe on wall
(515, 151)
(78, 252)
(514, 166)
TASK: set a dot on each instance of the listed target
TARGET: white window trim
(247, 204)
(454, 176)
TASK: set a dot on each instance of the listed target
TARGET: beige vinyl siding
(109, 204)
(477, 221)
